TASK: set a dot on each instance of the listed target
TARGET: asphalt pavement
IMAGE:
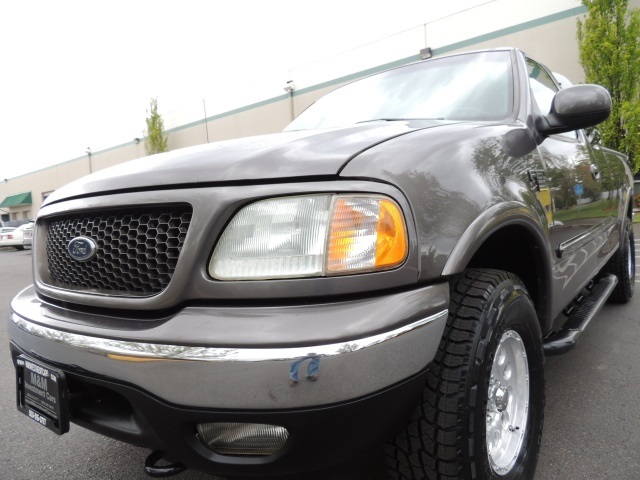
(591, 430)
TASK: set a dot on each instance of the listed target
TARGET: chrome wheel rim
(507, 403)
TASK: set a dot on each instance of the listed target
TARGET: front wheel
(483, 406)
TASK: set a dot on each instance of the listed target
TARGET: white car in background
(15, 237)
(6, 230)
(27, 236)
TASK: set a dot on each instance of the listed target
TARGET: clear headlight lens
(312, 235)
(275, 238)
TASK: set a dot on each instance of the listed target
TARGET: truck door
(578, 178)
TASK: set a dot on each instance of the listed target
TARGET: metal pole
(206, 124)
(291, 101)
(89, 157)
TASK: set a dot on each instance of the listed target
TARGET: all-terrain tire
(623, 266)
(446, 438)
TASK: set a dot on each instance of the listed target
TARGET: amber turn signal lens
(391, 245)
(367, 233)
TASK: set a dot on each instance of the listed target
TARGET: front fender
(459, 181)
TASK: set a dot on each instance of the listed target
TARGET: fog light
(255, 439)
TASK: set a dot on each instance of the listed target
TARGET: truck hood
(308, 153)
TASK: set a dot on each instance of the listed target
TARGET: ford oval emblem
(81, 249)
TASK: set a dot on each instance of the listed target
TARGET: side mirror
(579, 106)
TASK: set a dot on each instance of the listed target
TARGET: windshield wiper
(397, 119)
(384, 120)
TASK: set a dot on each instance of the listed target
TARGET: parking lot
(592, 416)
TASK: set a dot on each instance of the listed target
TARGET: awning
(17, 199)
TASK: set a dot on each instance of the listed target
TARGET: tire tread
(444, 394)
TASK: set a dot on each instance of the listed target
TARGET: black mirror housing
(579, 106)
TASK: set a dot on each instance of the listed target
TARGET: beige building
(545, 29)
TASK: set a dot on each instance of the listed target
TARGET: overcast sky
(78, 74)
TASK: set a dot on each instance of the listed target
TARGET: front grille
(137, 249)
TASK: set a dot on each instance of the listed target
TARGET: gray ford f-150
(389, 271)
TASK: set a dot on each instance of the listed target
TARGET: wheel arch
(509, 238)
(627, 209)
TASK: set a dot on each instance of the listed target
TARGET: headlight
(309, 236)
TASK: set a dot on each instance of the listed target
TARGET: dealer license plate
(42, 394)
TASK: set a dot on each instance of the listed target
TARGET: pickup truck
(386, 275)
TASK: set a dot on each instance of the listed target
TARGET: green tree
(609, 43)
(156, 139)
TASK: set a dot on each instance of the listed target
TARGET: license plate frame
(42, 394)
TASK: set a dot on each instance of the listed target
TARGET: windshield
(464, 87)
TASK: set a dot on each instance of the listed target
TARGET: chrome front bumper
(189, 359)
